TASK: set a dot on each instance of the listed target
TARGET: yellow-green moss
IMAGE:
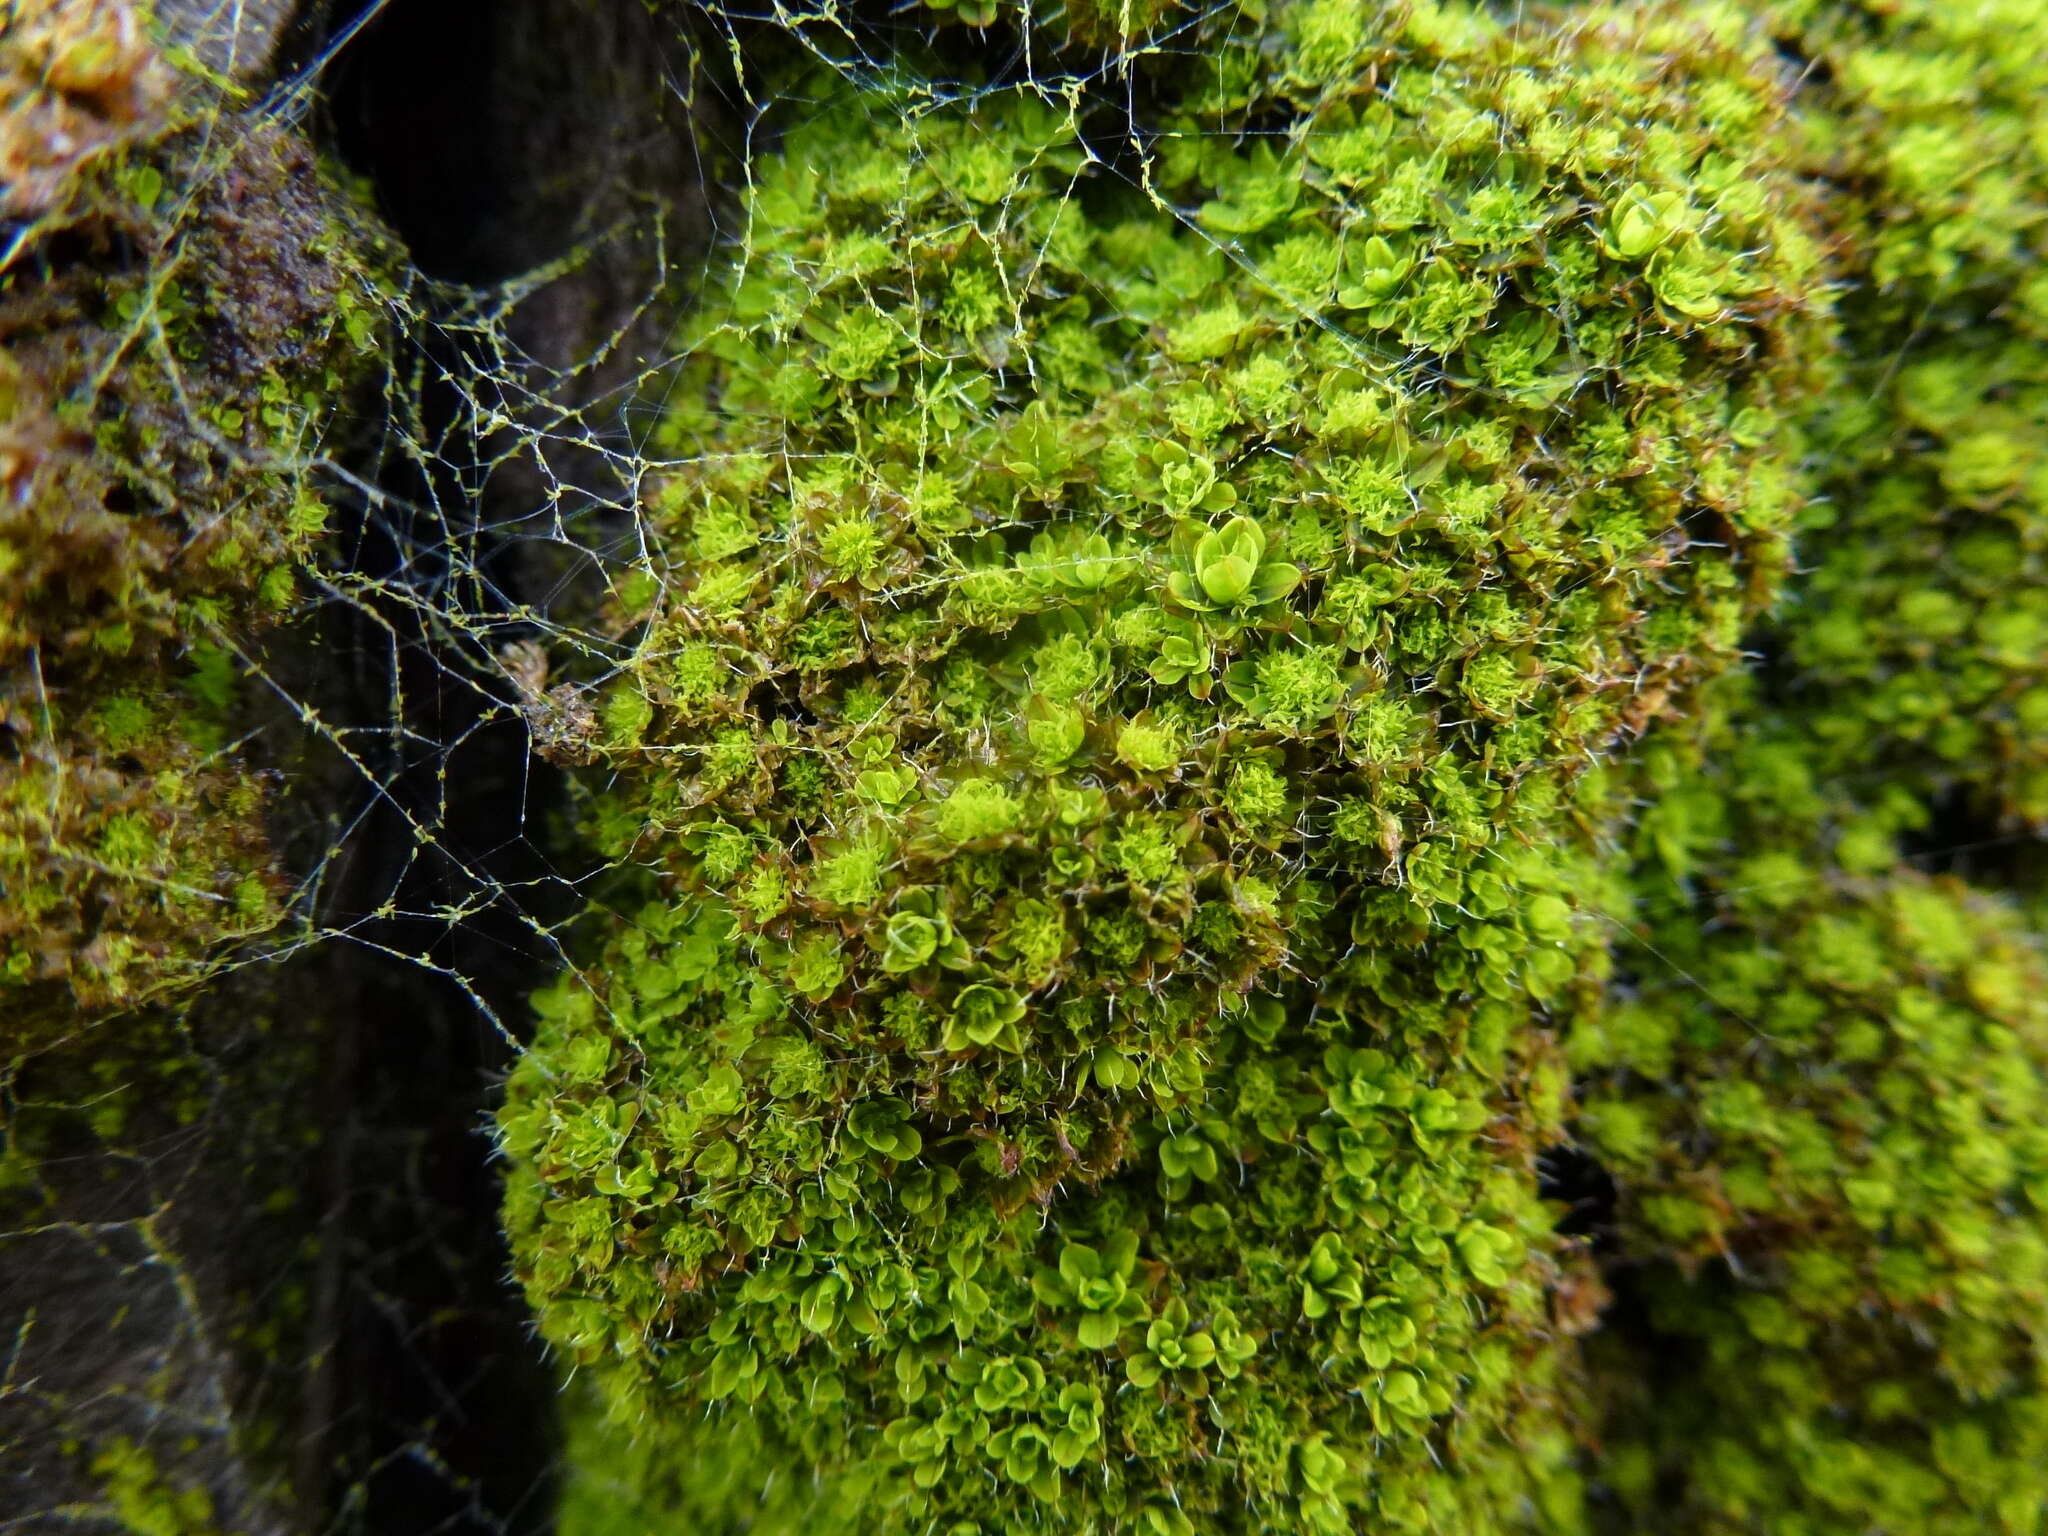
(1821, 1090)
(187, 305)
(1092, 742)
(145, 1503)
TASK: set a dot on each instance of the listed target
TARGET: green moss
(1823, 1100)
(160, 416)
(1922, 634)
(1821, 1094)
(143, 1502)
(1122, 1114)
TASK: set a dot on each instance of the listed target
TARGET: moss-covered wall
(1225, 642)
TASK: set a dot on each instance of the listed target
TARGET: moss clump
(1920, 641)
(142, 1502)
(184, 309)
(1821, 1091)
(1824, 1096)
(1091, 739)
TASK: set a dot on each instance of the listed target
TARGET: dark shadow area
(497, 136)
(1636, 1371)
(427, 1404)
(500, 134)
(1576, 1179)
(1971, 841)
(430, 1405)
(437, 102)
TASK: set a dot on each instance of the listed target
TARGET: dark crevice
(1633, 1364)
(428, 1407)
(1575, 1179)
(1801, 67)
(421, 102)
(501, 134)
(496, 136)
(1969, 839)
(778, 699)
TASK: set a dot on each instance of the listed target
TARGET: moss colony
(1259, 643)
(1822, 1089)
(184, 305)
(1097, 759)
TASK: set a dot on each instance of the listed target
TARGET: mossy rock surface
(1247, 642)
(191, 305)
